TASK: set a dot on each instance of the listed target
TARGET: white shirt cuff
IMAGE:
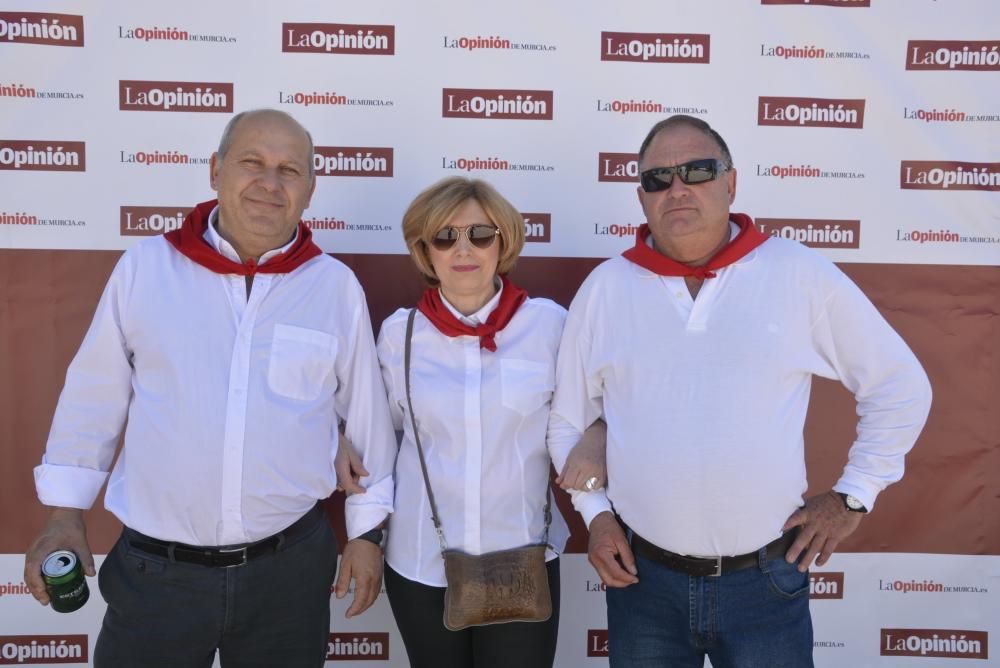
(591, 504)
(363, 512)
(865, 494)
(68, 486)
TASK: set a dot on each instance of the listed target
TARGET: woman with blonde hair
(477, 386)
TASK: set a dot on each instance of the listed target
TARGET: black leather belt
(710, 566)
(229, 555)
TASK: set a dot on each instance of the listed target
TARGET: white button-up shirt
(482, 417)
(232, 401)
(705, 398)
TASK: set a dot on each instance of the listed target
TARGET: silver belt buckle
(718, 564)
(241, 550)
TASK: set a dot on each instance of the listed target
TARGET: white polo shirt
(705, 399)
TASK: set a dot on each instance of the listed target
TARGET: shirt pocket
(526, 385)
(301, 361)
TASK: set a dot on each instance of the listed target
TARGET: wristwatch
(852, 503)
(376, 535)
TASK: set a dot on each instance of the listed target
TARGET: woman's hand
(348, 467)
(586, 468)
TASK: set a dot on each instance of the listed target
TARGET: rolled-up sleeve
(92, 407)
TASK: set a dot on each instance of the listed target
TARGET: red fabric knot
(189, 240)
(748, 238)
(435, 310)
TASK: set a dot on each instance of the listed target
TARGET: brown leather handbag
(496, 587)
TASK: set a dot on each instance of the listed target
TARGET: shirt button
(680, 295)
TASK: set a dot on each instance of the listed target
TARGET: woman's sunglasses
(697, 171)
(480, 236)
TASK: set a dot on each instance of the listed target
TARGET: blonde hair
(434, 207)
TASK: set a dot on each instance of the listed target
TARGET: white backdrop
(394, 101)
(882, 182)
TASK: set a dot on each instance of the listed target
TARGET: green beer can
(65, 582)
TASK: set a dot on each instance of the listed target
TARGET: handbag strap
(416, 433)
(420, 450)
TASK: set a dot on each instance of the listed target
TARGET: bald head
(263, 174)
(226, 141)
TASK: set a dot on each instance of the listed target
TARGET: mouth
(266, 204)
(679, 208)
(465, 268)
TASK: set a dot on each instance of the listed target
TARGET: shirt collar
(226, 249)
(480, 316)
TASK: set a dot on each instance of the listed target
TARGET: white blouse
(482, 418)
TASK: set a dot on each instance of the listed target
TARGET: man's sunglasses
(480, 236)
(697, 171)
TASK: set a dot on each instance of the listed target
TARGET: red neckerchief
(511, 298)
(748, 238)
(189, 240)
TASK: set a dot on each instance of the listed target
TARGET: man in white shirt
(232, 348)
(698, 347)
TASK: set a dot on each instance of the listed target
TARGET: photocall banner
(866, 129)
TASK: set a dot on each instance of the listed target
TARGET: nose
(268, 179)
(677, 187)
(463, 243)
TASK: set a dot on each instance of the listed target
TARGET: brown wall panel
(949, 501)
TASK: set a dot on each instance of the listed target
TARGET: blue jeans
(754, 618)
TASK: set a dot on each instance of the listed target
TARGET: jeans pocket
(785, 580)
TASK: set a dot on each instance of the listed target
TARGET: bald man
(226, 352)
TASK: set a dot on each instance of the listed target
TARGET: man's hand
(64, 530)
(823, 522)
(362, 562)
(348, 467)
(587, 460)
(609, 552)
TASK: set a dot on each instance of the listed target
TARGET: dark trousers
(419, 613)
(272, 611)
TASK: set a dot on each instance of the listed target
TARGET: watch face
(853, 502)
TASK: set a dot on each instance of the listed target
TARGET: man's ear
(213, 171)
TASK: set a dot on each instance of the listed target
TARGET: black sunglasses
(480, 236)
(697, 171)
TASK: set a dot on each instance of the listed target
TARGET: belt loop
(281, 542)
(762, 559)
(170, 553)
